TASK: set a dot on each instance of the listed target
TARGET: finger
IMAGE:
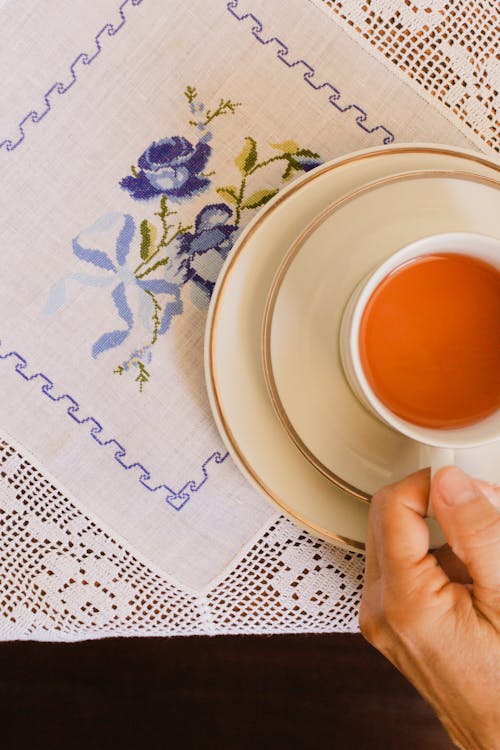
(399, 530)
(471, 525)
(372, 567)
(452, 566)
(492, 492)
(370, 610)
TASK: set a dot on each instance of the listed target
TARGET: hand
(443, 635)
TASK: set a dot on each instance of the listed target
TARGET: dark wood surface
(304, 692)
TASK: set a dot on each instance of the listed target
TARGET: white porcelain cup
(437, 447)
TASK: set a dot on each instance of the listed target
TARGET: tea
(429, 340)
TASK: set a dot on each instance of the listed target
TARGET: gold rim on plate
(280, 277)
(228, 434)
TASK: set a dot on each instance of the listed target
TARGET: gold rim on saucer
(219, 293)
(278, 281)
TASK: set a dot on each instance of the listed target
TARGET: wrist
(475, 733)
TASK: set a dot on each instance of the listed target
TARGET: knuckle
(381, 495)
(382, 499)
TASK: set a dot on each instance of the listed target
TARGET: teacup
(438, 447)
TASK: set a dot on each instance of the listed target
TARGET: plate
(302, 365)
(244, 414)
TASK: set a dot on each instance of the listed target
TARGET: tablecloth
(128, 132)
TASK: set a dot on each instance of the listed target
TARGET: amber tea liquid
(429, 340)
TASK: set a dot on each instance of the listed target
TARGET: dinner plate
(242, 408)
(302, 365)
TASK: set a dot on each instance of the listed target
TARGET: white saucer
(237, 390)
(335, 252)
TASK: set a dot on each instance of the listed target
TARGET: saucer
(243, 411)
(340, 248)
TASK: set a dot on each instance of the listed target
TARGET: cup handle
(436, 458)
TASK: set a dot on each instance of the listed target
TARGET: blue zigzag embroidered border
(176, 499)
(83, 58)
(309, 73)
(60, 88)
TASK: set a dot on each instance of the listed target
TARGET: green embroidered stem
(247, 163)
(156, 318)
(225, 106)
(190, 93)
(162, 262)
(162, 244)
(162, 214)
(241, 195)
(142, 376)
(145, 262)
(268, 161)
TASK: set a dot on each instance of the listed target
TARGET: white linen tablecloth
(125, 128)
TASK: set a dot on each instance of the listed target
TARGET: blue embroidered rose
(171, 167)
(204, 250)
(308, 162)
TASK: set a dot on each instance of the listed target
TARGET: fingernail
(456, 488)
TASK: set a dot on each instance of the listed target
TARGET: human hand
(444, 636)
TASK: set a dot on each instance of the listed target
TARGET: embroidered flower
(204, 250)
(144, 263)
(308, 162)
(172, 167)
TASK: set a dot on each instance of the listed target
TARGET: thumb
(472, 527)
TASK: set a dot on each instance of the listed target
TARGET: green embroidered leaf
(247, 158)
(148, 237)
(162, 262)
(307, 152)
(143, 376)
(259, 198)
(223, 108)
(229, 194)
(289, 147)
(190, 93)
(292, 164)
